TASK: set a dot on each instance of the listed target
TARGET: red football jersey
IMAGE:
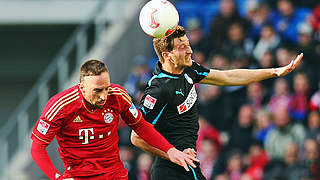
(87, 137)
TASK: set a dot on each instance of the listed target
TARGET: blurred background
(268, 130)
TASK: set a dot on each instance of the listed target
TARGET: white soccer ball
(159, 18)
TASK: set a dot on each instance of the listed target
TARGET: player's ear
(81, 86)
(166, 55)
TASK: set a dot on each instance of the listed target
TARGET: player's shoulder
(65, 99)
(197, 69)
(162, 80)
(159, 87)
(195, 65)
(118, 92)
(115, 88)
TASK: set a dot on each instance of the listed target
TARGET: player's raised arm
(236, 77)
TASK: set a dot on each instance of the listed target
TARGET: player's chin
(188, 62)
(100, 104)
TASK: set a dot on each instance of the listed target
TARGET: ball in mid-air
(159, 18)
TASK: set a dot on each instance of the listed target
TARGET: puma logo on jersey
(189, 102)
(179, 92)
(77, 119)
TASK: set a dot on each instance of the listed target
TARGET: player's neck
(171, 68)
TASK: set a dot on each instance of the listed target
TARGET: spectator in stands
(263, 125)
(256, 96)
(315, 21)
(315, 100)
(294, 169)
(267, 60)
(286, 19)
(213, 103)
(207, 131)
(311, 50)
(127, 158)
(237, 47)
(284, 133)
(138, 78)
(281, 96)
(234, 165)
(268, 41)
(313, 130)
(208, 154)
(241, 136)
(144, 163)
(311, 158)
(288, 169)
(220, 24)
(299, 104)
(283, 55)
(197, 41)
(219, 61)
(258, 18)
(257, 159)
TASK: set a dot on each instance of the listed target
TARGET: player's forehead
(180, 40)
(98, 81)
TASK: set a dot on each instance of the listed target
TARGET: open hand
(281, 71)
(181, 158)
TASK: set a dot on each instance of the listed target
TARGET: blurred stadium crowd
(268, 130)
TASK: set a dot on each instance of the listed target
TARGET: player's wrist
(274, 72)
(170, 148)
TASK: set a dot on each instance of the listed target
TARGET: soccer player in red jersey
(84, 120)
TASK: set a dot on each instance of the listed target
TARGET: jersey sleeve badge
(149, 102)
(43, 127)
(133, 110)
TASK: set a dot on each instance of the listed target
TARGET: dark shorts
(163, 169)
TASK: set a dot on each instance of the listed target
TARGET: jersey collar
(158, 69)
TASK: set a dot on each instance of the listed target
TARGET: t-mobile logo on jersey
(86, 135)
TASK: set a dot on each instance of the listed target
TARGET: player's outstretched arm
(238, 77)
(140, 137)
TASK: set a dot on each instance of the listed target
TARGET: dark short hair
(166, 44)
(92, 67)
